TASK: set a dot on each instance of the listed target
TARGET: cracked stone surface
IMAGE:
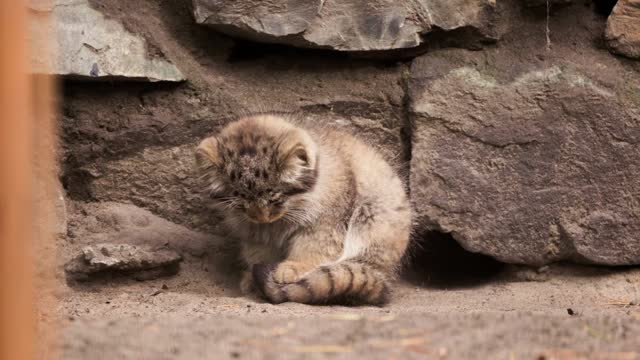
(353, 25)
(529, 155)
(91, 46)
(143, 262)
(623, 29)
(533, 171)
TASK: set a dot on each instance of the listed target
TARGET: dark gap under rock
(605, 7)
(437, 260)
(465, 37)
(245, 50)
(248, 50)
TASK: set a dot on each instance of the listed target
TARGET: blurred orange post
(17, 325)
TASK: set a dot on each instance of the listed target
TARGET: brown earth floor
(513, 314)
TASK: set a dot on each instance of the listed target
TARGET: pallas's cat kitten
(321, 216)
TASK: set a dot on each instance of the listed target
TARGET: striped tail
(347, 282)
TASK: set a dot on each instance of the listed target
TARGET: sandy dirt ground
(563, 312)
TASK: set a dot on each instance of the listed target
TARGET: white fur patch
(354, 245)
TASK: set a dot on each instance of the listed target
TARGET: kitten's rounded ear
(300, 154)
(297, 156)
(207, 153)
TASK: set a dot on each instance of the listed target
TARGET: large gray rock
(623, 29)
(529, 155)
(90, 46)
(353, 25)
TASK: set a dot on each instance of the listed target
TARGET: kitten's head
(259, 168)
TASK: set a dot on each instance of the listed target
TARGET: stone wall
(519, 132)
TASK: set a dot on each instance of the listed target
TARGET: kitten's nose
(259, 213)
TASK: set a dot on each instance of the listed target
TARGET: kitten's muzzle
(262, 214)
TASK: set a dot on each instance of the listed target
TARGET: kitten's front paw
(289, 272)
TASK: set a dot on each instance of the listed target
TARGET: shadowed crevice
(437, 260)
(605, 7)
